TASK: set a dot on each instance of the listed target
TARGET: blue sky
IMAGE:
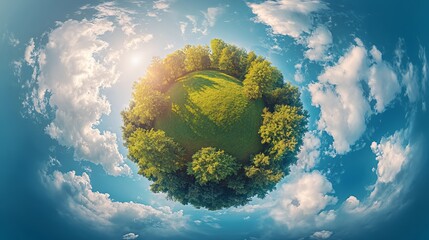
(68, 69)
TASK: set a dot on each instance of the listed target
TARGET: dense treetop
(213, 126)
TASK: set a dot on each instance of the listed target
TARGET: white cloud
(211, 14)
(70, 78)
(309, 153)
(210, 17)
(318, 43)
(298, 77)
(322, 234)
(352, 205)
(136, 41)
(122, 15)
(399, 159)
(29, 53)
(161, 5)
(287, 17)
(130, 236)
(101, 212)
(424, 62)
(414, 86)
(410, 81)
(422, 56)
(391, 154)
(183, 26)
(339, 95)
(13, 41)
(169, 46)
(383, 82)
(302, 200)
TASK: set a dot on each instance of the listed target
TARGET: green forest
(213, 126)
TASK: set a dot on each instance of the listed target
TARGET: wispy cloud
(209, 20)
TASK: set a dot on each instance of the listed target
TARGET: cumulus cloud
(322, 234)
(391, 154)
(99, 210)
(302, 202)
(382, 80)
(287, 17)
(130, 236)
(344, 108)
(352, 205)
(309, 153)
(318, 43)
(69, 80)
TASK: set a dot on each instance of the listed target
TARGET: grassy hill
(209, 108)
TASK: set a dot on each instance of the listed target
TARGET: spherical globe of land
(213, 126)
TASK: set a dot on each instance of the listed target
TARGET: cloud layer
(101, 212)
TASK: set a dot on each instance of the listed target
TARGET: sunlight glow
(136, 60)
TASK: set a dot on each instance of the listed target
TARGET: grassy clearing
(209, 109)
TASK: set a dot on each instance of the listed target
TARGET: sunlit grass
(209, 108)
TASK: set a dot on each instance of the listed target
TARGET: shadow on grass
(201, 82)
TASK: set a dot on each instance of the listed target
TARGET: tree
(265, 173)
(225, 60)
(252, 57)
(283, 130)
(260, 79)
(211, 165)
(233, 61)
(155, 153)
(156, 75)
(216, 45)
(146, 105)
(197, 58)
(174, 66)
(149, 103)
(285, 95)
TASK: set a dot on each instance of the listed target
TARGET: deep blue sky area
(361, 67)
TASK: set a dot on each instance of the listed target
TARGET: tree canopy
(211, 177)
(211, 165)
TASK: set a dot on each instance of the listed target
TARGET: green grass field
(209, 108)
